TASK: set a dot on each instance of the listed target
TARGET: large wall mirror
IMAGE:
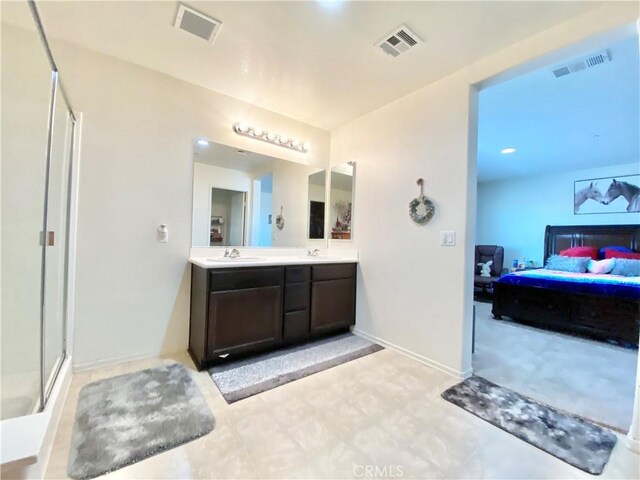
(341, 201)
(243, 199)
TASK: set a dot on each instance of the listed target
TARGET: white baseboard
(633, 443)
(108, 362)
(427, 361)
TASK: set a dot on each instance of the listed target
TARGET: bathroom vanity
(238, 309)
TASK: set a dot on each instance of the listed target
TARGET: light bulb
(284, 139)
(306, 147)
(257, 131)
(203, 143)
(271, 136)
(295, 143)
(243, 127)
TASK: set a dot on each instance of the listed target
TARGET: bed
(599, 306)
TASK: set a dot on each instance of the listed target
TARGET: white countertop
(251, 260)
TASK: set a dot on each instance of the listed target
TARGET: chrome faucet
(234, 253)
(313, 253)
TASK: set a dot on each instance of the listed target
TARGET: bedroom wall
(514, 212)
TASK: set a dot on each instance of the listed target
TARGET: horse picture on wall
(607, 195)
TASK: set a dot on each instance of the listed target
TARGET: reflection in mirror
(341, 200)
(317, 194)
(237, 196)
(227, 217)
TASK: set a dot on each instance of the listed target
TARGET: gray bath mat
(248, 377)
(125, 419)
(565, 436)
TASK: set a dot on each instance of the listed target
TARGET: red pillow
(615, 254)
(591, 252)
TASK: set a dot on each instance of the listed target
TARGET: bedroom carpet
(254, 375)
(591, 379)
(125, 419)
(567, 437)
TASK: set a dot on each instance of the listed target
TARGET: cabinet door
(244, 319)
(332, 304)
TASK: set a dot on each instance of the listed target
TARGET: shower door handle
(51, 238)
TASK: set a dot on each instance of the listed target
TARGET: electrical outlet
(447, 238)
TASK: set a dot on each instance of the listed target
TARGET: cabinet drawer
(333, 272)
(296, 325)
(601, 315)
(297, 274)
(296, 296)
(239, 278)
(548, 303)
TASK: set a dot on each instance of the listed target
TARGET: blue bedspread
(588, 283)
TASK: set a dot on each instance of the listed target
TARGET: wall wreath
(421, 209)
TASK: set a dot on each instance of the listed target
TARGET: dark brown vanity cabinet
(333, 297)
(241, 310)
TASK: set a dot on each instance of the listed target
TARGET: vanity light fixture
(507, 151)
(241, 128)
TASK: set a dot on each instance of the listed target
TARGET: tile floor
(382, 411)
(589, 378)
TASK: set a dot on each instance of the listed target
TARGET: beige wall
(137, 166)
(412, 292)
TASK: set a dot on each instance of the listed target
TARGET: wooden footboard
(602, 317)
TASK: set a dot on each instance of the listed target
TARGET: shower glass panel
(26, 95)
(57, 226)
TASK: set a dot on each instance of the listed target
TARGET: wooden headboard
(557, 238)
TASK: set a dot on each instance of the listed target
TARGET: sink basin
(237, 259)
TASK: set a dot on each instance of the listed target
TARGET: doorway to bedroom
(554, 147)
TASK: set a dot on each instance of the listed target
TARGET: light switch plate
(447, 238)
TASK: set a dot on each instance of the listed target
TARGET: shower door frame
(47, 382)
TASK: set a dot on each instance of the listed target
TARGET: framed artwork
(607, 195)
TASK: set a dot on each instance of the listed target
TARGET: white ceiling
(586, 119)
(314, 61)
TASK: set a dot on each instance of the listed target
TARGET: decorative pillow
(601, 266)
(626, 267)
(603, 250)
(591, 252)
(616, 254)
(567, 264)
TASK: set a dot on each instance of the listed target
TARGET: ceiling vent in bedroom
(581, 64)
(197, 24)
(399, 41)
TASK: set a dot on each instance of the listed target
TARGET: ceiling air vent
(197, 24)
(581, 64)
(397, 42)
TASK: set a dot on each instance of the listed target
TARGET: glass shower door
(26, 97)
(57, 240)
